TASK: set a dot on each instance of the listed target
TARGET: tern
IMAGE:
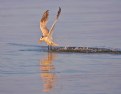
(46, 33)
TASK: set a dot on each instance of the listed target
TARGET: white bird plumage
(46, 33)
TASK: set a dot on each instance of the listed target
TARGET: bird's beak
(39, 41)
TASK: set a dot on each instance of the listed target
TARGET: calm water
(26, 69)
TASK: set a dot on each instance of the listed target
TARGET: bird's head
(41, 39)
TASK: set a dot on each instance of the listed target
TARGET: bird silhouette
(46, 33)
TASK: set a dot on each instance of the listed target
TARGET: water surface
(25, 68)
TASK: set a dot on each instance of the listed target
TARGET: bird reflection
(47, 72)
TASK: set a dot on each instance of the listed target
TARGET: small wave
(38, 50)
(23, 45)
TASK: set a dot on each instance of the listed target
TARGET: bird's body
(49, 41)
(46, 33)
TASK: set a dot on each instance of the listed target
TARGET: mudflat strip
(85, 50)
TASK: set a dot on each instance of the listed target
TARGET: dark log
(85, 50)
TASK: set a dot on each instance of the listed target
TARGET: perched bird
(46, 33)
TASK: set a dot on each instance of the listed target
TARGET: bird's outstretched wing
(53, 25)
(43, 23)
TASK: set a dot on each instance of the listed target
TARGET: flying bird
(46, 33)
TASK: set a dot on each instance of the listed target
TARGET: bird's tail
(54, 44)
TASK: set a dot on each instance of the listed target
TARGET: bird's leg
(48, 47)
